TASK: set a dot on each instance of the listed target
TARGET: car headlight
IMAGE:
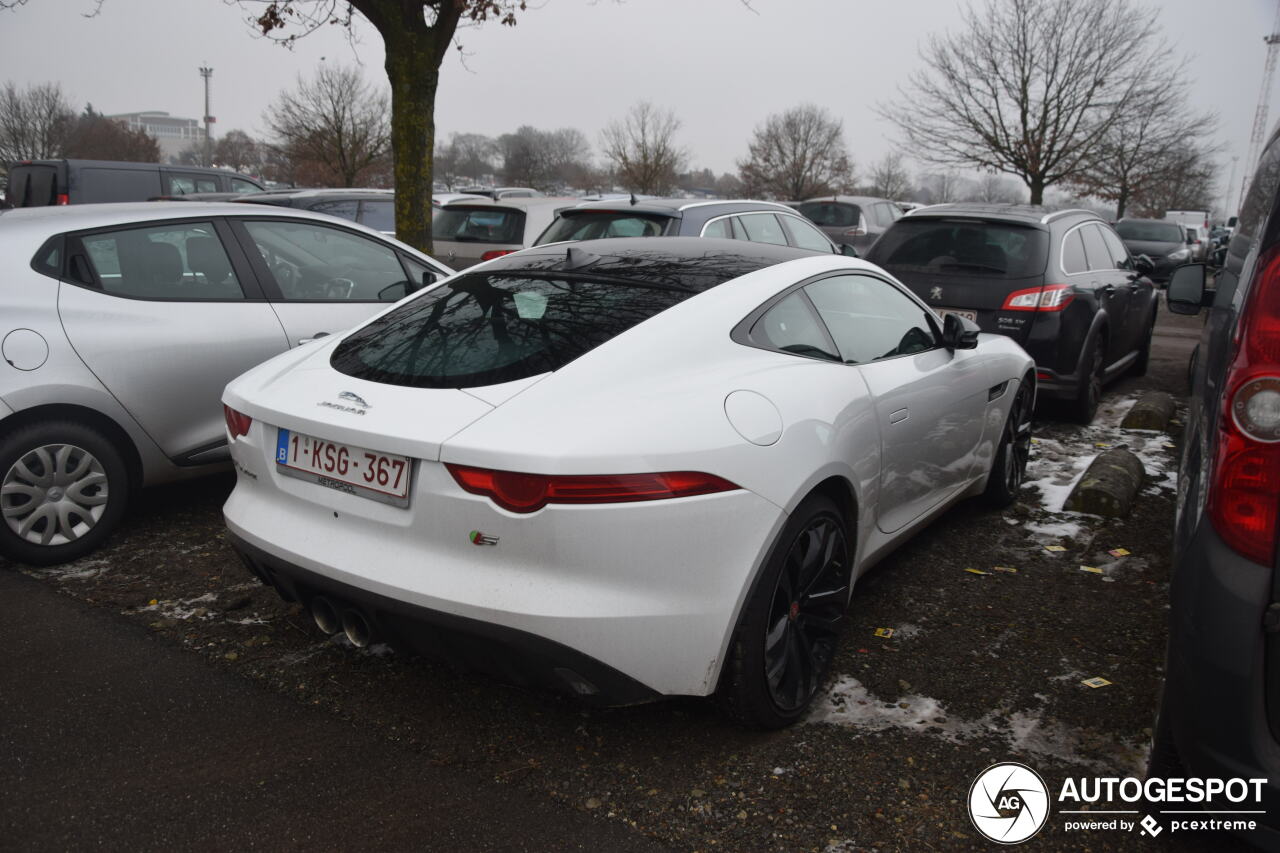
(1180, 255)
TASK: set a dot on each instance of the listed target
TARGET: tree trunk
(413, 71)
(1122, 201)
(1036, 184)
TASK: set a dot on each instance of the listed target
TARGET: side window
(314, 262)
(1073, 259)
(884, 216)
(1119, 254)
(805, 235)
(169, 261)
(108, 185)
(870, 319)
(1095, 248)
(184, 184)
(239, 185)
(790, 326)
(344, 209)
(719, 228)
(763, 228)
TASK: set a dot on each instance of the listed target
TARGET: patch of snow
(79, 570)
(1054, 529)
(850, 704)
(184, 608)
(907, 631)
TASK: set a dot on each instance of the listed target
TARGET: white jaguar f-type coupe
(625, 468)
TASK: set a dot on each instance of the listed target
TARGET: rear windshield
(483, 329)
(478, 225)
(987, 249)
(594, 225)
(379, 215)
(1155, 232)
(832, 214)
(31, 186)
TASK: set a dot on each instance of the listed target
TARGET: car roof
(521, 203)
(130, 164)
(673, 206)
(851, 199)
(1022, 214)
(698, 263)
(345, 192)
(56, 219)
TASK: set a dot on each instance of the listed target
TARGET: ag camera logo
(1008, 802)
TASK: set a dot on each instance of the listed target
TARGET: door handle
(898, 416)
(1108, 288)
(317, 336)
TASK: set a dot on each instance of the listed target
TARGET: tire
(1085, 405)
(784, 642)
(1010, 465)
(1144, 355)
(64, 487)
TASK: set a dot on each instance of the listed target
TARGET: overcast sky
(577, 63)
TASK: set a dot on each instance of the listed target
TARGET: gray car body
(537, 214)
(872, 221)
(148, 373)
(1222, 677)
(686, 217)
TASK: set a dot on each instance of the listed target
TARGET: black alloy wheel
(1010, 466)
(1086, 404)
(789, 629)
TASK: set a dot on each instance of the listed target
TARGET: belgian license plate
(367, 473)
(971, 316)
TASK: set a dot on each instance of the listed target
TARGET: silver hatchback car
(120, 324)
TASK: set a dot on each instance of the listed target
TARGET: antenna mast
(1264, 98)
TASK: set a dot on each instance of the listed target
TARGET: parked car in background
(373, 208)
(1061, 284)
(851, 220)
(1219, 716)
(1197, 241)
(1197, 218)
(38, 183)
(499, 193)
(467, 232)
(1165, 243)
(121, 323)
(755, 221)
(623, 469)
(438, 199)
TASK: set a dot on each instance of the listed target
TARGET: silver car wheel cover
(60, 484)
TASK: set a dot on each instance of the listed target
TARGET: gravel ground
(982, 667)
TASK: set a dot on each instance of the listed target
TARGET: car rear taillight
(496, 253)
(1244, 492)
(62, 198)
(1051, 297)
(531, 492)
(238, 423)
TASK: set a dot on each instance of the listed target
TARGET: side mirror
(1144, 265)
(959, 333)
(1186, 293)
(848, 251)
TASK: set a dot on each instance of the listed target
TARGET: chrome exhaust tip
(326, 618)
(357, 628)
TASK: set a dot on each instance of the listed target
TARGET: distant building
(173, 134)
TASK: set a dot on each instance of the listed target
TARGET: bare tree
(237, 150)
(642, 150)
(992, 188)
(1144, 149)
(797, 154)
(1184, 181)
(548, 160)
(1029, 87)
(943, 187)
(889, 178)
(93, 136)
(335, 124)
(467, 155)
(33, 122)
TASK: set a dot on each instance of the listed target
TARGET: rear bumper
(1215, 679)
(650, 589)
(514, 656)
